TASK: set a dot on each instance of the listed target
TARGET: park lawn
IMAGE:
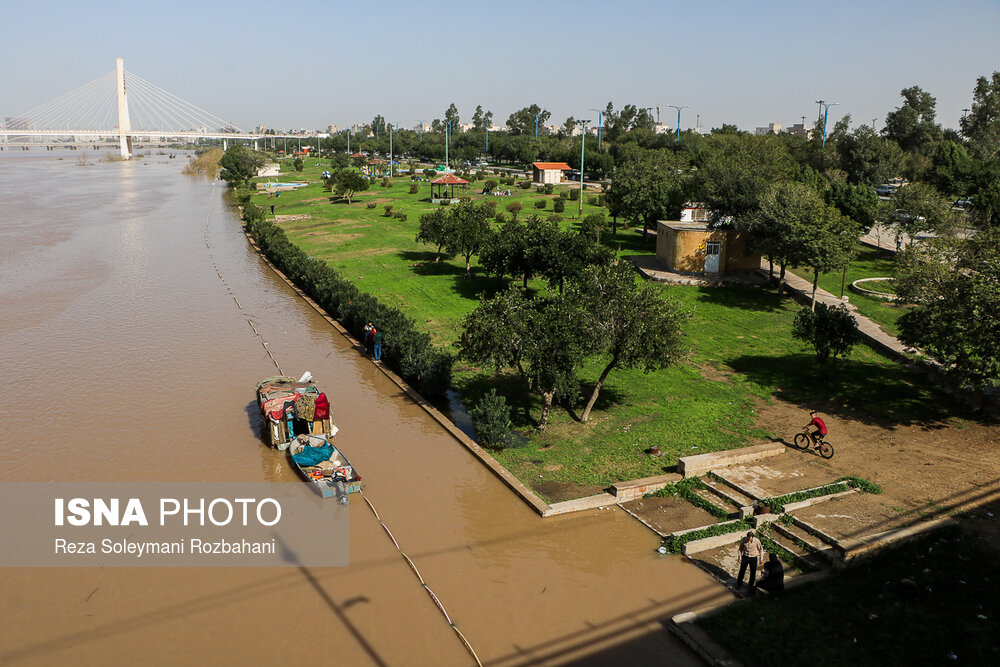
(943, 607)
(740, 349)
(869, 263)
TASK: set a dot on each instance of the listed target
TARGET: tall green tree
(779, 228)
(542, 337)
(868, 158)
(648, 185)
(347, 182)
(982, 125)
(913, 125)
(955, 284)
(467, 231)
(434, 229)
(522, 121)
(451, 116)
(920, 208)
(634, 325)
(735, 170)
(240, 164)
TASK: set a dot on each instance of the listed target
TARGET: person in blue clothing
(377, 345)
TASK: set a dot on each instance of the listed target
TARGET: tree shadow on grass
(629, 240)
(424, 256)
(479, 286)
(879, 394)
(523, 403)
(746, 297)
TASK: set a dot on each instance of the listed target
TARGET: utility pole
(600, 116)
(826, 115)
(536, 125)
(390, 150)
(583, 139)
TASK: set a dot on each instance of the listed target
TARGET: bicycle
(804, 440)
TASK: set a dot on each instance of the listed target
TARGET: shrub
(430, 173)
(574, 195)
(524, 185)
(491, 185)
(555, 217)
(540, 203)
(480, 174)
(399, 215)
(386, 182)
(500, 217)
(445, 202)
(559, 205)
(564, 195)
(514, 208)
(388, 210)
(491, 419)
(592, 200)
(548, 189)
(676, 544)
(371, 204)
(413, 188)
(491, 205)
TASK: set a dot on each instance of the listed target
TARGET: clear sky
(309, 64)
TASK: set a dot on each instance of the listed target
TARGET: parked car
(886, 190)
(965, 202)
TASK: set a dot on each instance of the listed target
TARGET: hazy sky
(309, 64)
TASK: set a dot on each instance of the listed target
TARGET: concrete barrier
(699, 464)
(637, 488)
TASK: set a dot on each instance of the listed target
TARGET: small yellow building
(694, 247)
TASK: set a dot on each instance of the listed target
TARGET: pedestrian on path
(750, 551)
(366, 339)
(377, 345)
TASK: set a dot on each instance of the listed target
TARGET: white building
(772, 128)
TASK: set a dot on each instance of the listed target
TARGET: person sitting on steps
(820, 432)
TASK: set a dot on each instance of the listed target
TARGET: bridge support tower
(124, 124)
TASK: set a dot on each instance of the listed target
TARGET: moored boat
(293, 407)
(320, 462)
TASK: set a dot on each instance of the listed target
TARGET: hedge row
(676, 544)
(685, 489)
(777, 503)
(405, 350)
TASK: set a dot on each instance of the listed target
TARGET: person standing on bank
(377, 345)
(366, 340)
(750, 551)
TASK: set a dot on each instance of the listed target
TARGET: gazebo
(448, 180)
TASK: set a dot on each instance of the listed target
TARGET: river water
(127, 359)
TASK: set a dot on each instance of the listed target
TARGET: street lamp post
(390, 150)
(825, 106)
(536, 125)
(488, 120)
(674, 106)
(600, 117)
(583, 139)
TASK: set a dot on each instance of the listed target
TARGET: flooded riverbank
(141, 367)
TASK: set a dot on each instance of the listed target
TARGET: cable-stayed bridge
(121, 107)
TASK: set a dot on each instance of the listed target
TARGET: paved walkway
(872, 333)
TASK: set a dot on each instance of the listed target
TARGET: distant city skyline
(321, 64)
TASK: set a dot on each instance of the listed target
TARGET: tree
(868, 158)
(634, 326)
(434, 230)
(378, 126)
(480, 120)
(981, 126)
(298, 164)
(451, 117)
(646, 185)
(735, 170)
(955, 284)
(778, 226)
(912, 125)
(507, 251)
(594, 224)
(491, 419)
(467, 231)
(857, 202)
(828, 244)
(541, 337)
(920, 208)
(522, 121)
(347, 182)
(239, 164)
(831, 330)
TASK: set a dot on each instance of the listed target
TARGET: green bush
(500, 217)
(371, 204)
(430, 173)
(676, 545)
(548, 189)
(406, 350)
(514, 208)
(563, 194)
(559, 205)
(555, 217)
(540, 203)
(574, 195)
(414, 188)
(491, 185)
(524, 185)
(388, 210)
(592, 200)
(399, 215)
(445, 202)
(491, 419)
(386, 182)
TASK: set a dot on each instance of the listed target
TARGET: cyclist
(820, 432)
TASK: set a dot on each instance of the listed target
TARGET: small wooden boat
(323, 465)
(293, 407)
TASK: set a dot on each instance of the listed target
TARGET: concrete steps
(728, 492)
(717, 501)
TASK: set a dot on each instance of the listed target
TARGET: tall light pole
(825, 106)
(583, 139)
(536, 124)
(447, 136)
(600, 117)
(674, 106)
(390, 150)
(488, 121)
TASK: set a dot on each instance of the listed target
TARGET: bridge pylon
(124, 123)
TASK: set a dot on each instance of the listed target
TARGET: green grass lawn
(869, 263)
(933, 601)
(740, 349)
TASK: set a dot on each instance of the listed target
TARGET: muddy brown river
(127, 359)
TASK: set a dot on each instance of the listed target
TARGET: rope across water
(451, 623)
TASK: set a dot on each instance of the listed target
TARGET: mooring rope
(465, 642)
(211, 256)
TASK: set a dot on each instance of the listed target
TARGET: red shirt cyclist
(820, 425)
